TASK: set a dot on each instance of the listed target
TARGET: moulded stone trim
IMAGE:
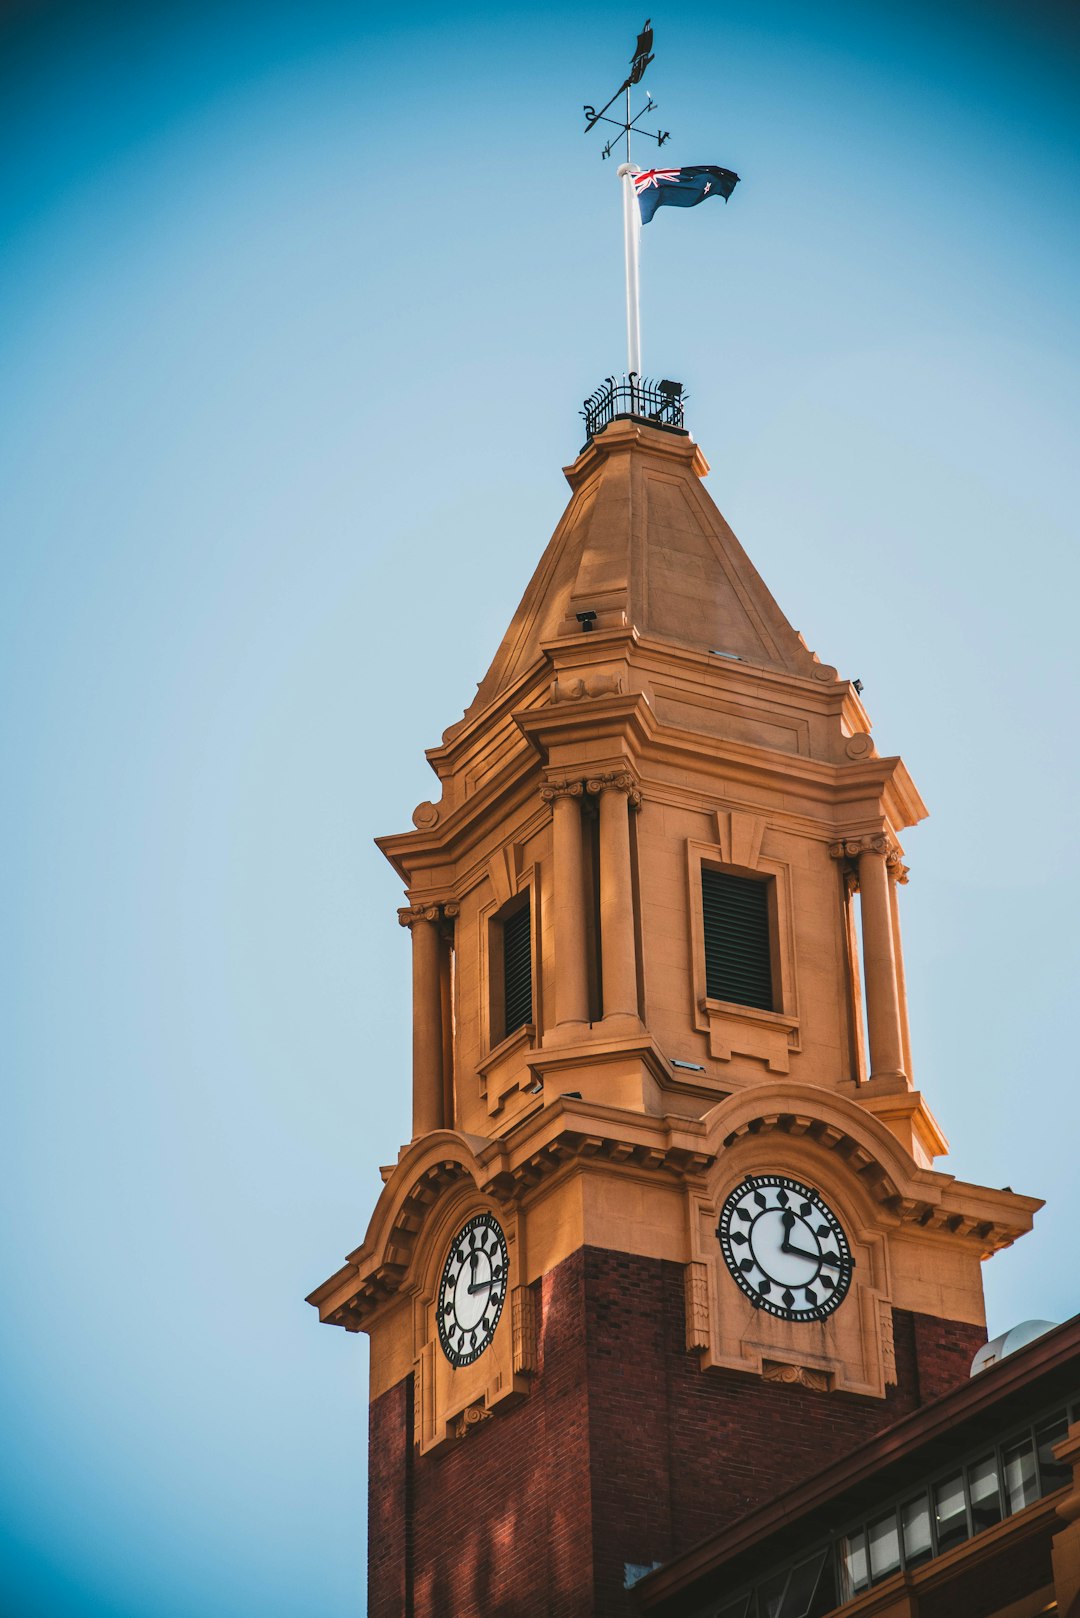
(739, 837)
(525, 1323)
(696, 1283)
(888, 1341)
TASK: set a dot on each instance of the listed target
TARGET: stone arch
(873, 1156)
(386, 1259)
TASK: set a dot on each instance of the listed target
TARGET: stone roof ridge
(641, 545)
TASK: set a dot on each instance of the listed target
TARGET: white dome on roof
(1008, 1343)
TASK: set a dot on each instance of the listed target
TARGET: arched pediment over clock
(916, 1238)
(437, 1192)
(440, 1166)
(837, 1124)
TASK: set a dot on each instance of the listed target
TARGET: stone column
(618, 948)
(568, 901)
(898, 874)
(428, 1101)
(879, 962)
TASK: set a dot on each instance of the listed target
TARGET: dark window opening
(738, 943)
(517, 969)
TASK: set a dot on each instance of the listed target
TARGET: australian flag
(682, 188)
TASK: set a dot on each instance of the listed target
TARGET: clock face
(472, 1290)
(785, 1247)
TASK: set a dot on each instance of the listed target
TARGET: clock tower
(668, 1235)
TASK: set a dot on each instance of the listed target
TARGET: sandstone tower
(668, 1235)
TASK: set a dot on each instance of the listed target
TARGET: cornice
(566, 1133)
(624, 714)
(452, 826)
(927, 1198)
(538, 1148)
(622, 437)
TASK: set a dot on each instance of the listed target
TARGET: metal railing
(634, 398)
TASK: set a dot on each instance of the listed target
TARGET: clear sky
(298, 305)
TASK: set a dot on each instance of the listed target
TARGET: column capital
(409, 915)
(850, 848)
(616, 781)
(550, 790)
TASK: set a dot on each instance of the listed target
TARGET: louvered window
(738, 950)
(517, 969)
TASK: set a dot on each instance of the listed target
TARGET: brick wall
(389, 1436)
(624, 1452)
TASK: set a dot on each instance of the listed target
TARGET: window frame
(497, 1033)
(735, 1029)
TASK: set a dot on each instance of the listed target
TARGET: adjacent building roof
(1023, 1390)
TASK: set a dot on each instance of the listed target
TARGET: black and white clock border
(472, 1289)
(804, 1279)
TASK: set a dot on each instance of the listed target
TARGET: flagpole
(631, 241)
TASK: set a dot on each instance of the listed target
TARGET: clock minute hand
(788, 1220)
(820, 1258)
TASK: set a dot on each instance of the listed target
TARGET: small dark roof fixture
(858, 686)
(671, 390)
(586, 620)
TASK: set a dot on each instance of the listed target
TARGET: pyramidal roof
(642, 545)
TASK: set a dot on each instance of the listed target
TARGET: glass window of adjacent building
(984, 1489)
(918, 1539)
(950, 1512)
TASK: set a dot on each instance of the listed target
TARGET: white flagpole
(631, 242)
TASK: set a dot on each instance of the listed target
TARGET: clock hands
(788, 1220)
(474, 1285)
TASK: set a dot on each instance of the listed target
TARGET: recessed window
(517, 996)
(738, 939)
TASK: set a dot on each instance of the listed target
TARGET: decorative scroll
(874, 843)
(696, 1286)
(525, 1325)
(616, 781)
(409, 915)
(550, 790)
(579, 690)
(470, 1417)
(795, 1376)
(860, 745)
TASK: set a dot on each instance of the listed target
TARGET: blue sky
(298, 305)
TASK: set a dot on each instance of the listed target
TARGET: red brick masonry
(625, 1451)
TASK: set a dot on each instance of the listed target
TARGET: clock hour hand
(480, 1286)
(787, 1219)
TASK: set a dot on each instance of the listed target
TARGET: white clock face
(785, 1247)
(472, 1290)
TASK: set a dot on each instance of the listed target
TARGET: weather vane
(643, 55)
(644, 192)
